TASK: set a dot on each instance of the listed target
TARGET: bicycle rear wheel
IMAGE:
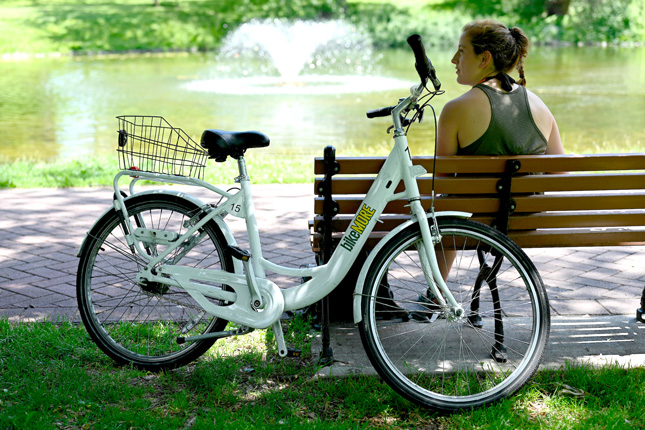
(445, 361)
(140, 324)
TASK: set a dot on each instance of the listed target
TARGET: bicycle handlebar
(426, 72)
(424, 66)
(376, 113)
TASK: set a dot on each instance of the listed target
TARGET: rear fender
(226, 231)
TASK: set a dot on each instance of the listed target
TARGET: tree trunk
(557, 7)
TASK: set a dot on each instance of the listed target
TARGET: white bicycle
(161, 277)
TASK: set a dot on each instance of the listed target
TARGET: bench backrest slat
(520, 184)
(484, 164)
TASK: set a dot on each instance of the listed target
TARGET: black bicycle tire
(410, 390)
(95, 237)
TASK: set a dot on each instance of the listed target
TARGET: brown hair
(508, 47)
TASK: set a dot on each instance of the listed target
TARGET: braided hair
(508, 47)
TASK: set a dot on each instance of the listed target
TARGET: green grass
(53, 377)
(283, 169)
(100, 171)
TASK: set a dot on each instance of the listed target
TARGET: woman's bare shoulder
(472, 95)
(470, 101)
(535, 101)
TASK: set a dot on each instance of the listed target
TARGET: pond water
(52, 108)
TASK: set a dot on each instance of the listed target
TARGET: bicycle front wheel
(140, 323)
(445, 360)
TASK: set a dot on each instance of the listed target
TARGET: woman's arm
(447, 141)
(554, 143)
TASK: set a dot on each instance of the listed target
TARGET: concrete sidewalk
(41, 231)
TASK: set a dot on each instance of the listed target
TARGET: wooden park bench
(600, 201)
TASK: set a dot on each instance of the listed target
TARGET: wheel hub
(153, 287)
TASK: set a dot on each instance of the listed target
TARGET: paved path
(41, 231)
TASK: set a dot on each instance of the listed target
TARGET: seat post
(249, 216)
(241, 167)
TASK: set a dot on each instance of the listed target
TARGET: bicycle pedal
(294, 352)
(239, 253)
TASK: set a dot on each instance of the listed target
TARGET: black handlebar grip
(423, 64)
(376, 113)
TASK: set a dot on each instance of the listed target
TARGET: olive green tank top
(512, 130)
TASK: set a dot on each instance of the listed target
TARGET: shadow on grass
(53, 376)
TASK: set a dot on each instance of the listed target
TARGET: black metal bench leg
(474, 318)
(499, 350)
(327, 354)
(640, 313)
(330, 210)
(484, 274)
(489, 274)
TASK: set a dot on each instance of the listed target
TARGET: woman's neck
(505, 81)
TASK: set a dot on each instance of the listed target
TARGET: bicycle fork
(428, 256)
(430, 235)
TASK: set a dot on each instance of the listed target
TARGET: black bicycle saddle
(221, 144)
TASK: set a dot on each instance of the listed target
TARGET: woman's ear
(486, 59)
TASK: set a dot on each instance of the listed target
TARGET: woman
(496, 116)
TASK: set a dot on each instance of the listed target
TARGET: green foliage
(587, 21)
(300, 9)
(604, 21)
(125, 25)
(387, 22)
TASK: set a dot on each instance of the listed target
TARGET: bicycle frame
(257, 302)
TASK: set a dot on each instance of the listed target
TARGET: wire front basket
(151, 144)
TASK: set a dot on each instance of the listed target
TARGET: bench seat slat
(361, 185)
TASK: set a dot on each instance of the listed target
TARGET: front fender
(358, 290)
